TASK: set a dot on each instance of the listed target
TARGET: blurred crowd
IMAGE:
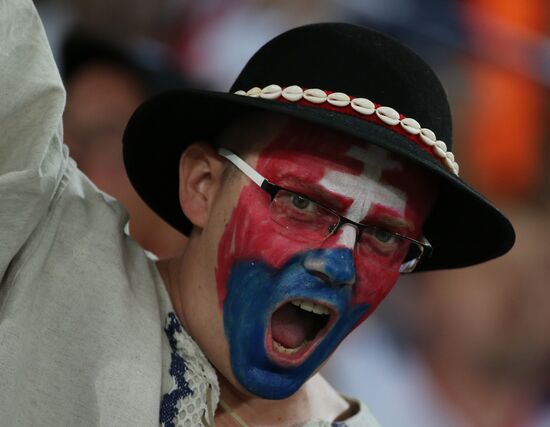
(464, 348)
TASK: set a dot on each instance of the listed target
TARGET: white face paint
(366, 188)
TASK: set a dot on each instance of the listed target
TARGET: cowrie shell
(363, 106)
(428, 136)
(338, 99)
(440, 148)
(450, 156)
(439, 152)
(456, 168)
(411, 126)
(450, 164)
(271, 92)
(388, 115)
(254, 92)
(293, 93)
(240, 92)
(317, 96)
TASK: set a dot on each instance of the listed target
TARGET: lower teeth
(282, 349)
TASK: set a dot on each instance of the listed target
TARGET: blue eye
(300, 202)
(383, 236)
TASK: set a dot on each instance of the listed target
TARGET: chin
(282, 324)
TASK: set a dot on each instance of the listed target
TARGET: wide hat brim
(464, 228)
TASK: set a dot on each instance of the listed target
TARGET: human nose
(346, 236)
(333, 266)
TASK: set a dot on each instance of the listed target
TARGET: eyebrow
(313, 191)
(399, 225)
(318, 193)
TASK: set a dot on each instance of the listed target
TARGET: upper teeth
(310, 306)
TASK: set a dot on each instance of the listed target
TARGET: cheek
(251, 235)
(374, 280)
(373, 284)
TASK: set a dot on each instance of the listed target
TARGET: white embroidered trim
(363, 106)
(199, 408)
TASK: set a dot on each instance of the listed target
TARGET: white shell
(254, 92)
(439, 152)
(293, 93)
(428, 136)
(388, 115)
(450, 164)
(440, 148)
(457, 168)
(363, 106)
(240, 92)
(271, 92)
(450, 156)
(317, 96)
(338, 99)
(411, 126)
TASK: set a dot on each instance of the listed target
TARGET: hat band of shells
(364, 108)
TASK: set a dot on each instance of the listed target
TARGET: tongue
(290, 325)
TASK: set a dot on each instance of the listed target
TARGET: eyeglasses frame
(272, 189)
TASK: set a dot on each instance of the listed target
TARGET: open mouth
(295, 330)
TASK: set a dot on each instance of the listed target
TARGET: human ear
(200, 173)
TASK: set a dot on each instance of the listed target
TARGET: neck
(316, 399)
(170, 272)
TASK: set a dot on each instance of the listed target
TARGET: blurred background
(461, 348)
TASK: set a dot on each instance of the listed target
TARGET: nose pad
(334, 266)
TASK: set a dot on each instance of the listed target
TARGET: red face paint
(321, 164)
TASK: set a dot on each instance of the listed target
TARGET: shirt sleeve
(32, 156)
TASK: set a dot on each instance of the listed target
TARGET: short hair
(246, 135)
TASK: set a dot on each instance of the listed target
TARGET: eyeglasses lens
(301, 218)
(304, 220)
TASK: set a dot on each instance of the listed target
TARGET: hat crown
(357, 61)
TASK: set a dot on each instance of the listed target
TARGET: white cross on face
(366, 189)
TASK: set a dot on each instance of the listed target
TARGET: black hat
(344, 77)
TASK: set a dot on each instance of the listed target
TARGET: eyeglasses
(305, 220)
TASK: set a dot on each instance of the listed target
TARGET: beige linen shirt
(82, 308)
(87, 333)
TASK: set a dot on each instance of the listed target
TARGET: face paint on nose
(288, 303)
(371, 197)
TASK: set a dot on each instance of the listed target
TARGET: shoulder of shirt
(361, 418)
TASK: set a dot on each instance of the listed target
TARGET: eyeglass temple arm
(272, 189)
(249, 171)
(242, 165)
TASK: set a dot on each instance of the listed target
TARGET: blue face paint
(255, 290)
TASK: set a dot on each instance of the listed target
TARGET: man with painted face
(305, 191)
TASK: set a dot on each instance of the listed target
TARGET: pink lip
(286, 360)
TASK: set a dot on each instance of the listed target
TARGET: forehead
(305, 151)
(304, 154)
